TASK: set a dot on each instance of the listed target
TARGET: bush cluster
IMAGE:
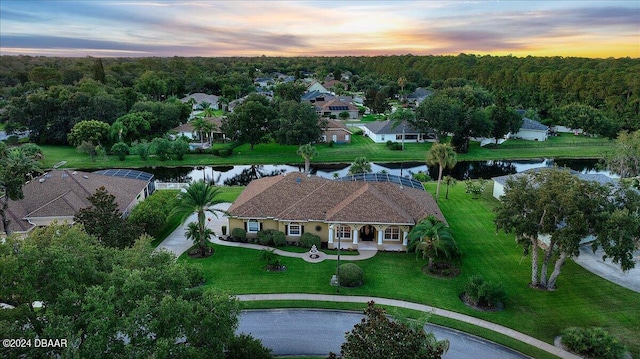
(483, 293)
(308, 240)
(350, 275)
(394, 146)
(593, 343)
(272, 237)
(239, 235)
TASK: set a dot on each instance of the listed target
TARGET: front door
(367, 233)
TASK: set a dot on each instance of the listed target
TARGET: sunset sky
(330, 28)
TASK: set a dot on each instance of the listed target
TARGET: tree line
(49, 95)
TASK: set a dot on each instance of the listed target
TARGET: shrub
(226, 152)
(244, 346)
(279, 239)
(239, 235)
(593, 343)
(265, 237)
(120, 149)
(308, 240)
(483, 293)
(350, 275)
(394, 146)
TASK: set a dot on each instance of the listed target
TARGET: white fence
(167, 185)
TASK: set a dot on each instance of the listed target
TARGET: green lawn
(582, 298)
(566, 146)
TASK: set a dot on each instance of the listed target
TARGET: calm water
(241, 175)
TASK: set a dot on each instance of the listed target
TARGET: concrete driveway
(609, 270)
(177, 242)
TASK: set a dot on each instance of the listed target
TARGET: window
(343, 232)
(295, 229)
(398, 137)
(253, 226)
(392, 234)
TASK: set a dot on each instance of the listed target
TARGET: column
(405, 239)
(330, 235)
(380, 235)
(354, 234)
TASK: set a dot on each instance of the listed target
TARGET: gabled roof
(594, 177)
(529, 124)
(387, 127)
(200, 97)
(297, 197)
(188, 127)
(420, 92)
(336, 105)
(62, 193)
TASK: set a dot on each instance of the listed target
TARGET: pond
(241, 175)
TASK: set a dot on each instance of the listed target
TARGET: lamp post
(338, 262)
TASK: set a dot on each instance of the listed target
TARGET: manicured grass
(582, 298)
(566, 146)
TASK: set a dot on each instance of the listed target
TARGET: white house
(316, 86)
(532, 130)
(199, 98)
(383, 131)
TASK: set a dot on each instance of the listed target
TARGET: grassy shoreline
(566, 146)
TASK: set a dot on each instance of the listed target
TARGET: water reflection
(242, 175)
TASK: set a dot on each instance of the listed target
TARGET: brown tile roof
(297, 197)
(61, 193)
(188, 127)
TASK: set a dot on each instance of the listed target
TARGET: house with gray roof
(199, 97)
(359, 211)
(58, 195)
(500, 182)
(383, 131)
(532, 130)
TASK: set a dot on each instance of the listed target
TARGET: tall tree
(98, 70)
(134, 302)
(624, 157)
(297, 123)
(199, 197)
(291, 91)
(96, 132)
(440, 114)
(434, 239)
(378, 337)
(556, 206)
(250, 121)
(104, 221)
(307, 152)
(16, 165)
(443, 155)
(503, 119)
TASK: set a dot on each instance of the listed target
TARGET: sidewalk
(549, 348)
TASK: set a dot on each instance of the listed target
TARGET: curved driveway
(312, 332)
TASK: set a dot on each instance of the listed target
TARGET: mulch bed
(470, 304)
(195, 252)
(441, 270)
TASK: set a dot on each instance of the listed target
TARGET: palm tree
(444, 156)
(434, 239)
(16, 165)
(360, 165)
(207, 128)
(198, 198)
(198, 125)
(193, 232)
(448, 182)
(307, 152)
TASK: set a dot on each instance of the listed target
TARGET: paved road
(317, 332)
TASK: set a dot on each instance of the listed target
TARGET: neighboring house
(366, 210)
(383, 131)
(263, 82)
(200, 97)
(334, 107)
(337, 132)
(500, 182)
(316, 96)
(334, 84)
(532, 130)
(316, 86)
(187, 131)
(565, 129)
(417, 96)
(59, 194)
